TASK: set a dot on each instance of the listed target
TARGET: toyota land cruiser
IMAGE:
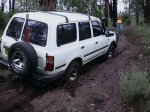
(49, 45)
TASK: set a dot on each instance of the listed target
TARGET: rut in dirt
(96, 90)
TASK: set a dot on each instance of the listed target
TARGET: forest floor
(97, 89)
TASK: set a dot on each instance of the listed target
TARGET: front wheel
(110, 52)
(73, 72)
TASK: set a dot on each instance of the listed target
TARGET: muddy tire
(22, 59)
(73, 72)
(110, 52)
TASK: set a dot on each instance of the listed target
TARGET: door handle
(82, 47)
(96, 42)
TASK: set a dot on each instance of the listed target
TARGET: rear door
(38, 33)
(100, 40)
(11, 35)
(86, 41)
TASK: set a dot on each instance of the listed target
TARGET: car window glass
(84, 30)
(15, 27)
(66, 34)
(97, 30)
(37, 32)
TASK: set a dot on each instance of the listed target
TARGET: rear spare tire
(22, 59)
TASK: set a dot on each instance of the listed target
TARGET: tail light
(49, 63)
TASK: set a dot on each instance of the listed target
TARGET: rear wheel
(73, 72)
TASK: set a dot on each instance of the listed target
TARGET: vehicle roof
(56, 16)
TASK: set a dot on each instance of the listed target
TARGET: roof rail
(72, 12)
(89, 16)
(32, 10)
(63, 11)
(67, 20)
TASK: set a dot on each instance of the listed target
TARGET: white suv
(49, 45)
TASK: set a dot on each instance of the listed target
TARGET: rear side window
(66, 33)
(97, 30)
(84, 30)
(37, 32)
(15, 27)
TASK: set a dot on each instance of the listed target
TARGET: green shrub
(97, 13)
(1, 32)
(126, 18)
(143, 31)
(134, 85)
(2, 20)
(8, 16)
(42, 8)
(146, 106)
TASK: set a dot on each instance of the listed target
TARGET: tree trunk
(41, 2)
(106, 11)
(148, 10)
(137, 13)
(137, 18)
(114, 12)
(143, 5)
(129, 7)
(50, 5)
(2, 6)
(13, 5)
(9, 5)
(82, 6)
(111, 10)
(26, 5)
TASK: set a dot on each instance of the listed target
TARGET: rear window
(37, 32)
(66, 33)
(15, 27)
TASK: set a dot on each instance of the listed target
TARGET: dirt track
(97, 89)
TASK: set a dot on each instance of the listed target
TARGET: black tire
(73, 72)
(22, 59)
(110, 52)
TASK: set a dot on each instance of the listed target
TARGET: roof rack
(33, 11)
(67, 20)
(63, 11)
(73, 12)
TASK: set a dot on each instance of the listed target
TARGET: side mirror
(104, 19)
(107, 33)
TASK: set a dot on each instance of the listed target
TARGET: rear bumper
(48, 78)
(4, 62)
(37, 76)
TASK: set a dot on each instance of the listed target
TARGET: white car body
(85, 50)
